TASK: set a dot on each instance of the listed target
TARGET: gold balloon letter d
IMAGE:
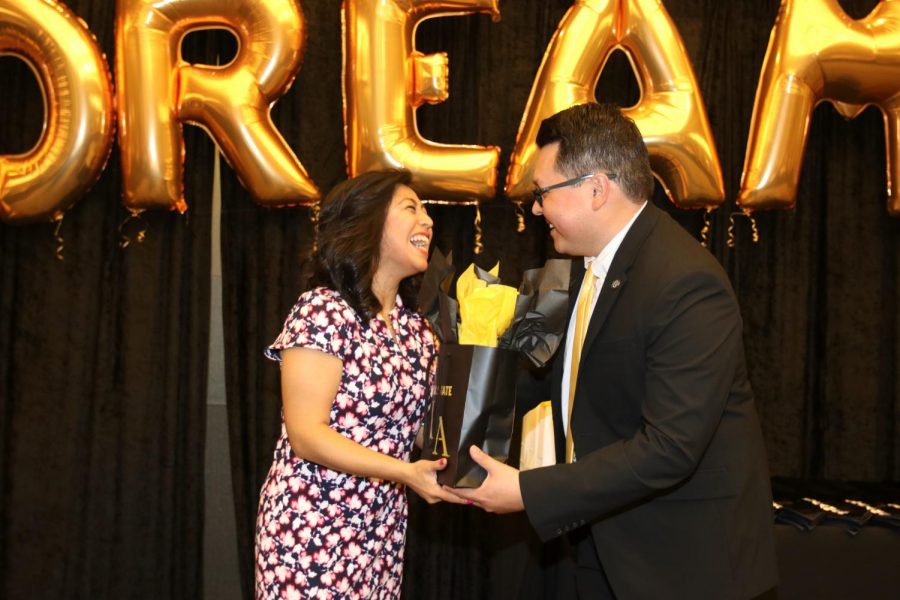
(78, 104)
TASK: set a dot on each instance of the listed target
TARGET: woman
(356, 368)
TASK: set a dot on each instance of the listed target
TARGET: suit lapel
(617, 276)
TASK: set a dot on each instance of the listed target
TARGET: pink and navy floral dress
(326, 534)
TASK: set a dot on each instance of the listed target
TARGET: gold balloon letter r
(159, 91)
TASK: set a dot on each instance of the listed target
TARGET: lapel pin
(616, 283)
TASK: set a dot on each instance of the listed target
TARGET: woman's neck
(386, 292)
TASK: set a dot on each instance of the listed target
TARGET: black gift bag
(474, 404)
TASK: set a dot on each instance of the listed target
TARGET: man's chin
(558, 244)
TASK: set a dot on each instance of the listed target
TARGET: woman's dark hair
(350, 226)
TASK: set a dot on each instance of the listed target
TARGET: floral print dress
(322, 533)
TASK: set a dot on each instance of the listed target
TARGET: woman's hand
(422, 479)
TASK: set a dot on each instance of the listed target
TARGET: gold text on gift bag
(440, 437)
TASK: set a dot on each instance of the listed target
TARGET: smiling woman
(356, 371)
(404, 243)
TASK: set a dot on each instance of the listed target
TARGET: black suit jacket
(671, 474)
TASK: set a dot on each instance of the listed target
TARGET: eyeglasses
(538, 193)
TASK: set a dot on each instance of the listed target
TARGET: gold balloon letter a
(78, 105)
(158, 91)
(817, 53)
(385, 80)
(670, 114)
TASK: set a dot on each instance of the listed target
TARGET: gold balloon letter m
(385, 80)
(817, 53)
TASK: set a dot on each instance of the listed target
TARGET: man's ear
(599, 193)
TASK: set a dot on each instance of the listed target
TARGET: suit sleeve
(693, 346)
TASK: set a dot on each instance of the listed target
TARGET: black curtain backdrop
(103, 359)
(103, 355)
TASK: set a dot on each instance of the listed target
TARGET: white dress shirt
(599, 265)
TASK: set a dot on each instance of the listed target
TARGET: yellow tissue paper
(485, 311)
(469, 281)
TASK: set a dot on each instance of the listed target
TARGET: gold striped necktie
(582, 318)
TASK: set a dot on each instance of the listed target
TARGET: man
(665, 490)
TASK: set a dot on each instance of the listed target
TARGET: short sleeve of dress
(320, 320)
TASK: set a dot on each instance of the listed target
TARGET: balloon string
(704, 233)
(60, 242)
(142, 232)
(314, 219)
(731, 237)
(479, 247)
(520, 218)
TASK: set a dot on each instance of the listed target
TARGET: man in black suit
(665, 490)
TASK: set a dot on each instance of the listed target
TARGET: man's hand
(499, 493)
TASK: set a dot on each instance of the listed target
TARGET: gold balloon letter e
(670, 113)
(817, 53)
(158, 92)
(385, 80)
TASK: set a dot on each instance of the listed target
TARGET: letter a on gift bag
(474, 404)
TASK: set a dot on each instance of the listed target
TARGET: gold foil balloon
(670, 113)
(159, 91)
(817, 53)
(78, 110)
(385, 80)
